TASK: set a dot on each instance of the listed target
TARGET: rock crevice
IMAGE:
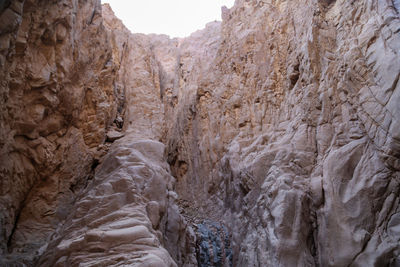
(275, 131)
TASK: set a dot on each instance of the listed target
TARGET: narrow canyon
(271, 138)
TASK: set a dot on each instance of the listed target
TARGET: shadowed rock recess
(271, 138)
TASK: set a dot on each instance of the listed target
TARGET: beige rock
(114, 135)
(281, 123)
(295, 92)
(55, 107)
(120, 212)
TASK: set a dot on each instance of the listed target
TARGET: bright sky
(176, 18)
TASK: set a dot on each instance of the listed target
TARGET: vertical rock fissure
(265, 120)
(9, 241)
(16, 220)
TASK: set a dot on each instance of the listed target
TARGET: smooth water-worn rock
(290, 133)
(281, 123)
(125, 212)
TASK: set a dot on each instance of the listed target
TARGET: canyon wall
(291, 134)
(57, 103)
(271, 138)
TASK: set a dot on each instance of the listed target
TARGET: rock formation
(271, 138)
(57, 102)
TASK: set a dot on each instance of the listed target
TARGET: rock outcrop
(120, 211)
(290, 134)
(271, 138)
(57, 102)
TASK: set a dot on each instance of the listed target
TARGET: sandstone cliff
(291, 134)
(57, 103)
(271, 138)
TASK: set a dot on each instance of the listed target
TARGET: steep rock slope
(74, 82)
(116, 215)
(128, 214)
(280, 125)
(290, 136)
(57, 103)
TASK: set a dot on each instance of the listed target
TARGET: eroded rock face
(57, 102)
(122, 212)
(70, 84)
(290, 136)
(280, 126)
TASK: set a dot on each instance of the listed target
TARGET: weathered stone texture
(290, 134)
(280, 124)
(55, 111)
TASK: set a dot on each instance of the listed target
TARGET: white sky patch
(176, 18)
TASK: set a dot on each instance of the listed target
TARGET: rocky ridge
(279, 125)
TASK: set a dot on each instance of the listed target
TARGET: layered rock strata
(279, 125)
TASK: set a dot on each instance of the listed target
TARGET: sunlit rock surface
(271, 138)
